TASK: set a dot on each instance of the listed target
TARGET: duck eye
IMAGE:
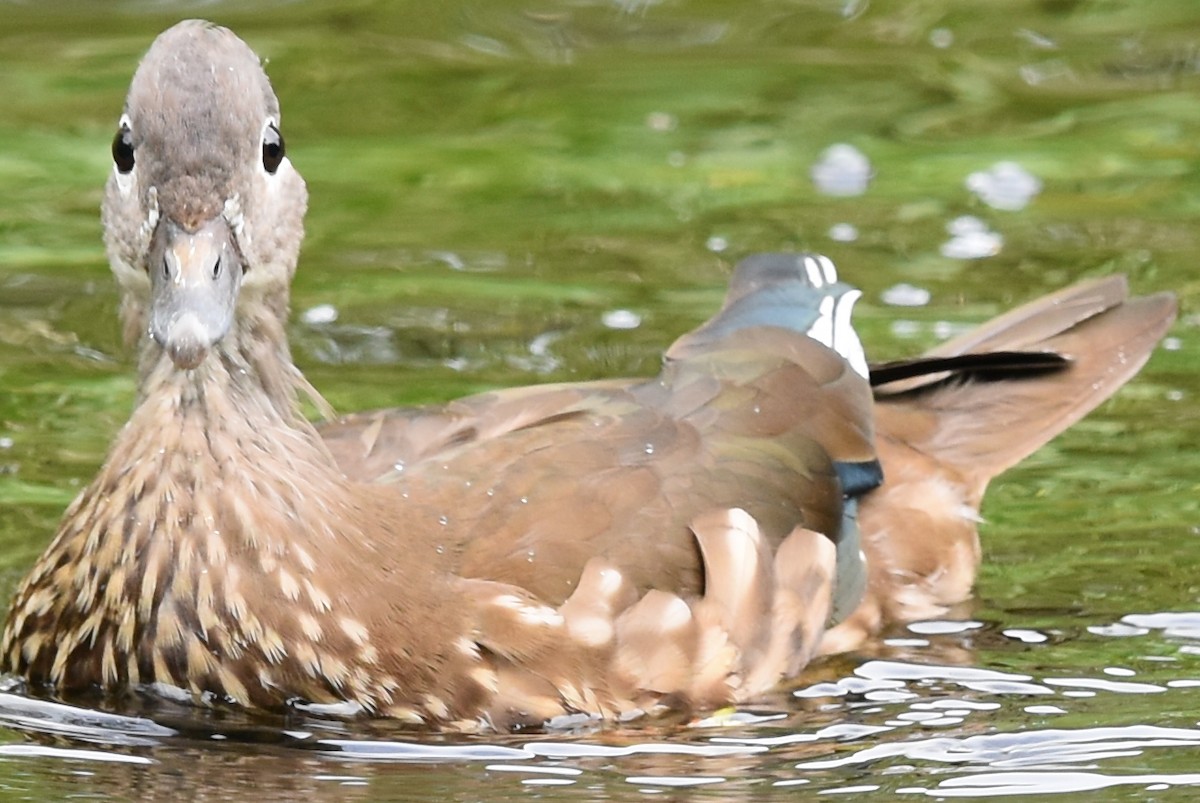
(122, 149)
(273, 150)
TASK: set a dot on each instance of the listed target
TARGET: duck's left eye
(122, 149)
(272, 147)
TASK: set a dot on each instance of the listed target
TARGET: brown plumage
(941, 439)
(606, 548)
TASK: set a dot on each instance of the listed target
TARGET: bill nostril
(216, 272)
(166, 268)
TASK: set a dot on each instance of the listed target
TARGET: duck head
(203, 212)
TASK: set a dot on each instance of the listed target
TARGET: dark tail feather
(984, 401)
(887, 378)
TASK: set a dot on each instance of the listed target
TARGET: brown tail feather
(1029, 325)
(987, 423)
(943, 435)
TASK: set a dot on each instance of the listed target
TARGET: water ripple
(903, 721)
(82, 724)
(1043, 749)
(991, 784)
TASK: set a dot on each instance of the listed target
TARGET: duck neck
(221, 551)
(212, 516)
(234, 435)
(251, 370)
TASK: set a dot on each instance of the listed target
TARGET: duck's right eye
(122, 149)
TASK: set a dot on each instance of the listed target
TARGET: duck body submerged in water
(608, 548)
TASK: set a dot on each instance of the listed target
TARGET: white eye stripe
(819, 270)
(124, 180)
(152, 213)
(232, 213)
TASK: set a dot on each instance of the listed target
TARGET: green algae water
(505, 193)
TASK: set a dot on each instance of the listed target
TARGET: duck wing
(710, 505)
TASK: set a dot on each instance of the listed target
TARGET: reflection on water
(990, 784)
(909, 724)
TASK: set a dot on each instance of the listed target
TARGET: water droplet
(650, 448)
(399, 465)
(621, 319)
(524, 500)
(443, 520)
(842, 170)
(843, 232)
(440, 549)
(941, 38)
(661, 121)
(906, 295)
(491, 491)
(320, 314)
(970, 239)
(1005, 185)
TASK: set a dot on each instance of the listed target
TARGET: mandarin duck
(602, 549)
